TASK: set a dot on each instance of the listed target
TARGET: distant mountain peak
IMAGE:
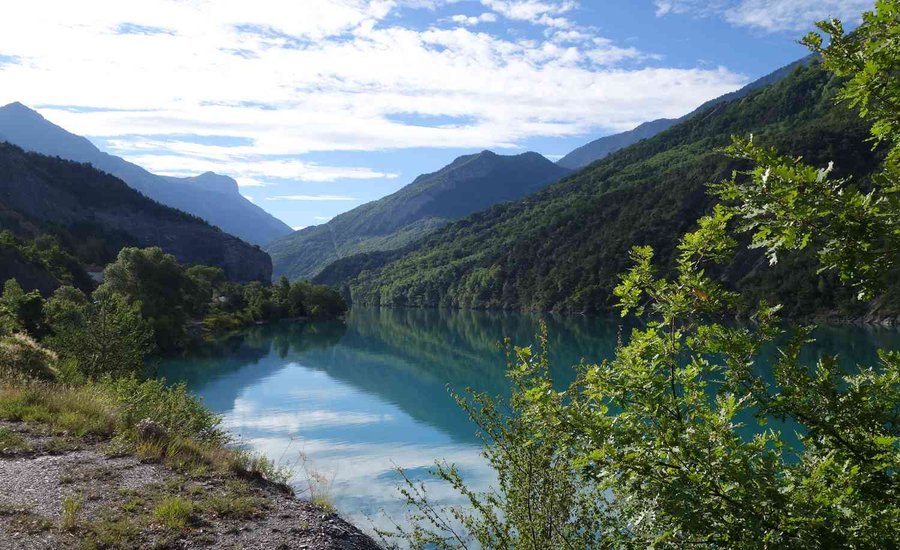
(468, 184)
(211, 181)
(21, 107)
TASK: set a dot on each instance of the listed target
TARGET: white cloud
(539, 12)
(473, 20)
(311, 198)
(323, 75)
(768, 15)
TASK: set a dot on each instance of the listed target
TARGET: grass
(231, 506)
(11, 442)
(81, 411)
(107, 412)
(111, 410)
(174, 512)
(29, 522)
(71, 506)
(120, 533)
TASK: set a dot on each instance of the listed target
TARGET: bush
(20, 355)
(173, 407)
(20, 310)
(108, 337)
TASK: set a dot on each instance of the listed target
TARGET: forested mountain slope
(564, 247)
(469, 184)
(94, 215)
(607, 145)
(210, 196)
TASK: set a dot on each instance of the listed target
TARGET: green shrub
(107, 337)
(173, 407)
(20, 355)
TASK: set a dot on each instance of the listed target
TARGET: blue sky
(317, 106)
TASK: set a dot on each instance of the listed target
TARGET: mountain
(564, 247)
(227, 209)
(468, 184)
(94, 215)
(605, 146)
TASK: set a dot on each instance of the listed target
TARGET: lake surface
(353, 400)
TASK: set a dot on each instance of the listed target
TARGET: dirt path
(58, 491)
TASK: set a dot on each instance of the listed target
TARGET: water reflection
(363, 396)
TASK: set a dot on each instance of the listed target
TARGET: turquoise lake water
(354, 399)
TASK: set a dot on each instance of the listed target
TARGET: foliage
(673, 436)
(868, 56)
(172, 406)
(542, 499)
(158, 284)
(169, 295)
(47, 252)
(238, 305)
(22, 356)
(787, 204)
(106, 337)
(20, 310)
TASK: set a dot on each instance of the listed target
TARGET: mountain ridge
(466, 185)
(95, 214)
(232, 212)
(602, 147)
(563, 248)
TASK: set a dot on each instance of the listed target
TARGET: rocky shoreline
(58, 490)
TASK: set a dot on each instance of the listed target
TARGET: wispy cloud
(768, 15)
(289, 79)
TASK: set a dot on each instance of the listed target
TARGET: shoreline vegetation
(139, 464)
(73, 398)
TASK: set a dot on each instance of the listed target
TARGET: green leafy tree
(157, 282)
(541, 500)
(674, 435)
(203, 281)
(106, 337)
(20, 310)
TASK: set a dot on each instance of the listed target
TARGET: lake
(351, 400)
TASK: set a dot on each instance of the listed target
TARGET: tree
(656, 434)
(203, 281)
(106, 337)
(20, 310)
(157, 282)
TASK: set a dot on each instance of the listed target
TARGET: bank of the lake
(350, 400)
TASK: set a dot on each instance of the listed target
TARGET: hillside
(607, 145)
(469, 184)
(563, 248)
(95, 214)
(209, 196)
